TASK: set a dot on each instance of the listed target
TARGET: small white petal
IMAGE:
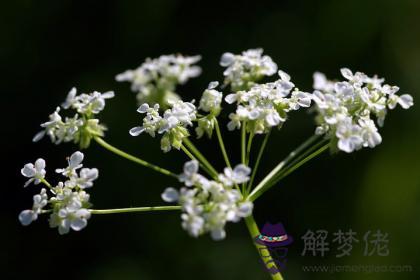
(227, 59)
(346, 73)
(191, 167)
(170, 195)
(76, 158)
(231, 98)
(284, 76)
(406, 101)
(39, 164)
(28, 170)
(218, 234)
(242, 169)
(245, 209)
(108, 94)
(38, 136)
(213, 85)
(143, 108)
(78, 224)
(28, 182)
(27, 216)
(136, 131)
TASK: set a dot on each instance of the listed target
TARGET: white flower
(369, 133)
(67, 218)
(238, 175)
(190, 175)
(358, 78)
(193, 224)
(208, 205)
(264, 106)
(405, 100)
(70, 99)
(349, 136)
(91, 103)
(85, 178)
(321, 82)
(69, 202)
(150, 122)
(36, 172)
(172, 124)
(51, 127)
(40, 201)
(156, 79)
(77, 129)
(184, 112)
(75, 162)
(211, 99)
(345, 109)
(244, 70)
(235, 122)
(205, 125)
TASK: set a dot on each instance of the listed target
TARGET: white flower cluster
(68, 202)
(173, 124)
(242, 71)
(266, 105)
(345, 109)
(208, 205)
(156, 79)
(210, 103)
(82, 126)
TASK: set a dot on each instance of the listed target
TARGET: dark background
(47, 47)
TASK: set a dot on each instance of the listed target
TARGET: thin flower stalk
(200, 157)
(263, 188)
(221, 144)
(257, 162)
(283, 163)
(125, 155)
(134, 209)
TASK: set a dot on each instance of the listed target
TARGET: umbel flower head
(208, 205)
(156, 79)
(172, 125)
(266, 105)
(210, 103)
(244, 70)
(347, 110)
(80, 128)
(67, 202)
(35, 172)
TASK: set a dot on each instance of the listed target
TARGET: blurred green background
(47, 47)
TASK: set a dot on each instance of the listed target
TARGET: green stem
(280, 166)
(200, 157)
(243, 142)
(192, 157)
(45, 182)
(254, 232)
(221, 143)
(255, 194)
(188, 153)
(297, 165)
(123, 154)
(248, 148)
(257, 163)
(134, 209)
(299, 158)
